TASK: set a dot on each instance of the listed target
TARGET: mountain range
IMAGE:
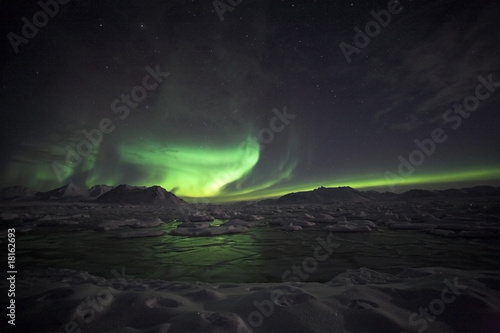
(157, 195)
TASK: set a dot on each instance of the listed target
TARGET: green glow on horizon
(364, 182)
(192, 171)
(41, 174)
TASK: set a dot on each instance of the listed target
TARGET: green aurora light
(192, 171)
(195, 173)
(231, 173)
(375, 182)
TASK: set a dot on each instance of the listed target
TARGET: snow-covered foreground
(354, 267)
(361, 300)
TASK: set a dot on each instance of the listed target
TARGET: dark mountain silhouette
(419, 194)
(325, 195)
(15, 192)
(97, 190)
(67, 191)
(471, 192)
(348, 194)
(483, 191)
(158, 195)
(140, 195)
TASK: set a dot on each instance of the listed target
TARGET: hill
(67, 191)
(325, 195)
(140, 195)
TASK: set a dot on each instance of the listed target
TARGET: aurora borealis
(256, 105)
(194, 171)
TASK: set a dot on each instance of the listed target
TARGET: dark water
(263, 254)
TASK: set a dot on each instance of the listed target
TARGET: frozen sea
(85, 267)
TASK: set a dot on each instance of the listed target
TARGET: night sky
(250, 100)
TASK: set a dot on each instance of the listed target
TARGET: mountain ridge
(124, 193)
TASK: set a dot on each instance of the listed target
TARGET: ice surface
(139, 233)
(134, 223)
(291, 227)
(359, 300)
(352, 226)
(200, 216)
(8, 216)
(238, 222)
(291, 222)
(392, 259)
(323, 218)
(209, 230)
